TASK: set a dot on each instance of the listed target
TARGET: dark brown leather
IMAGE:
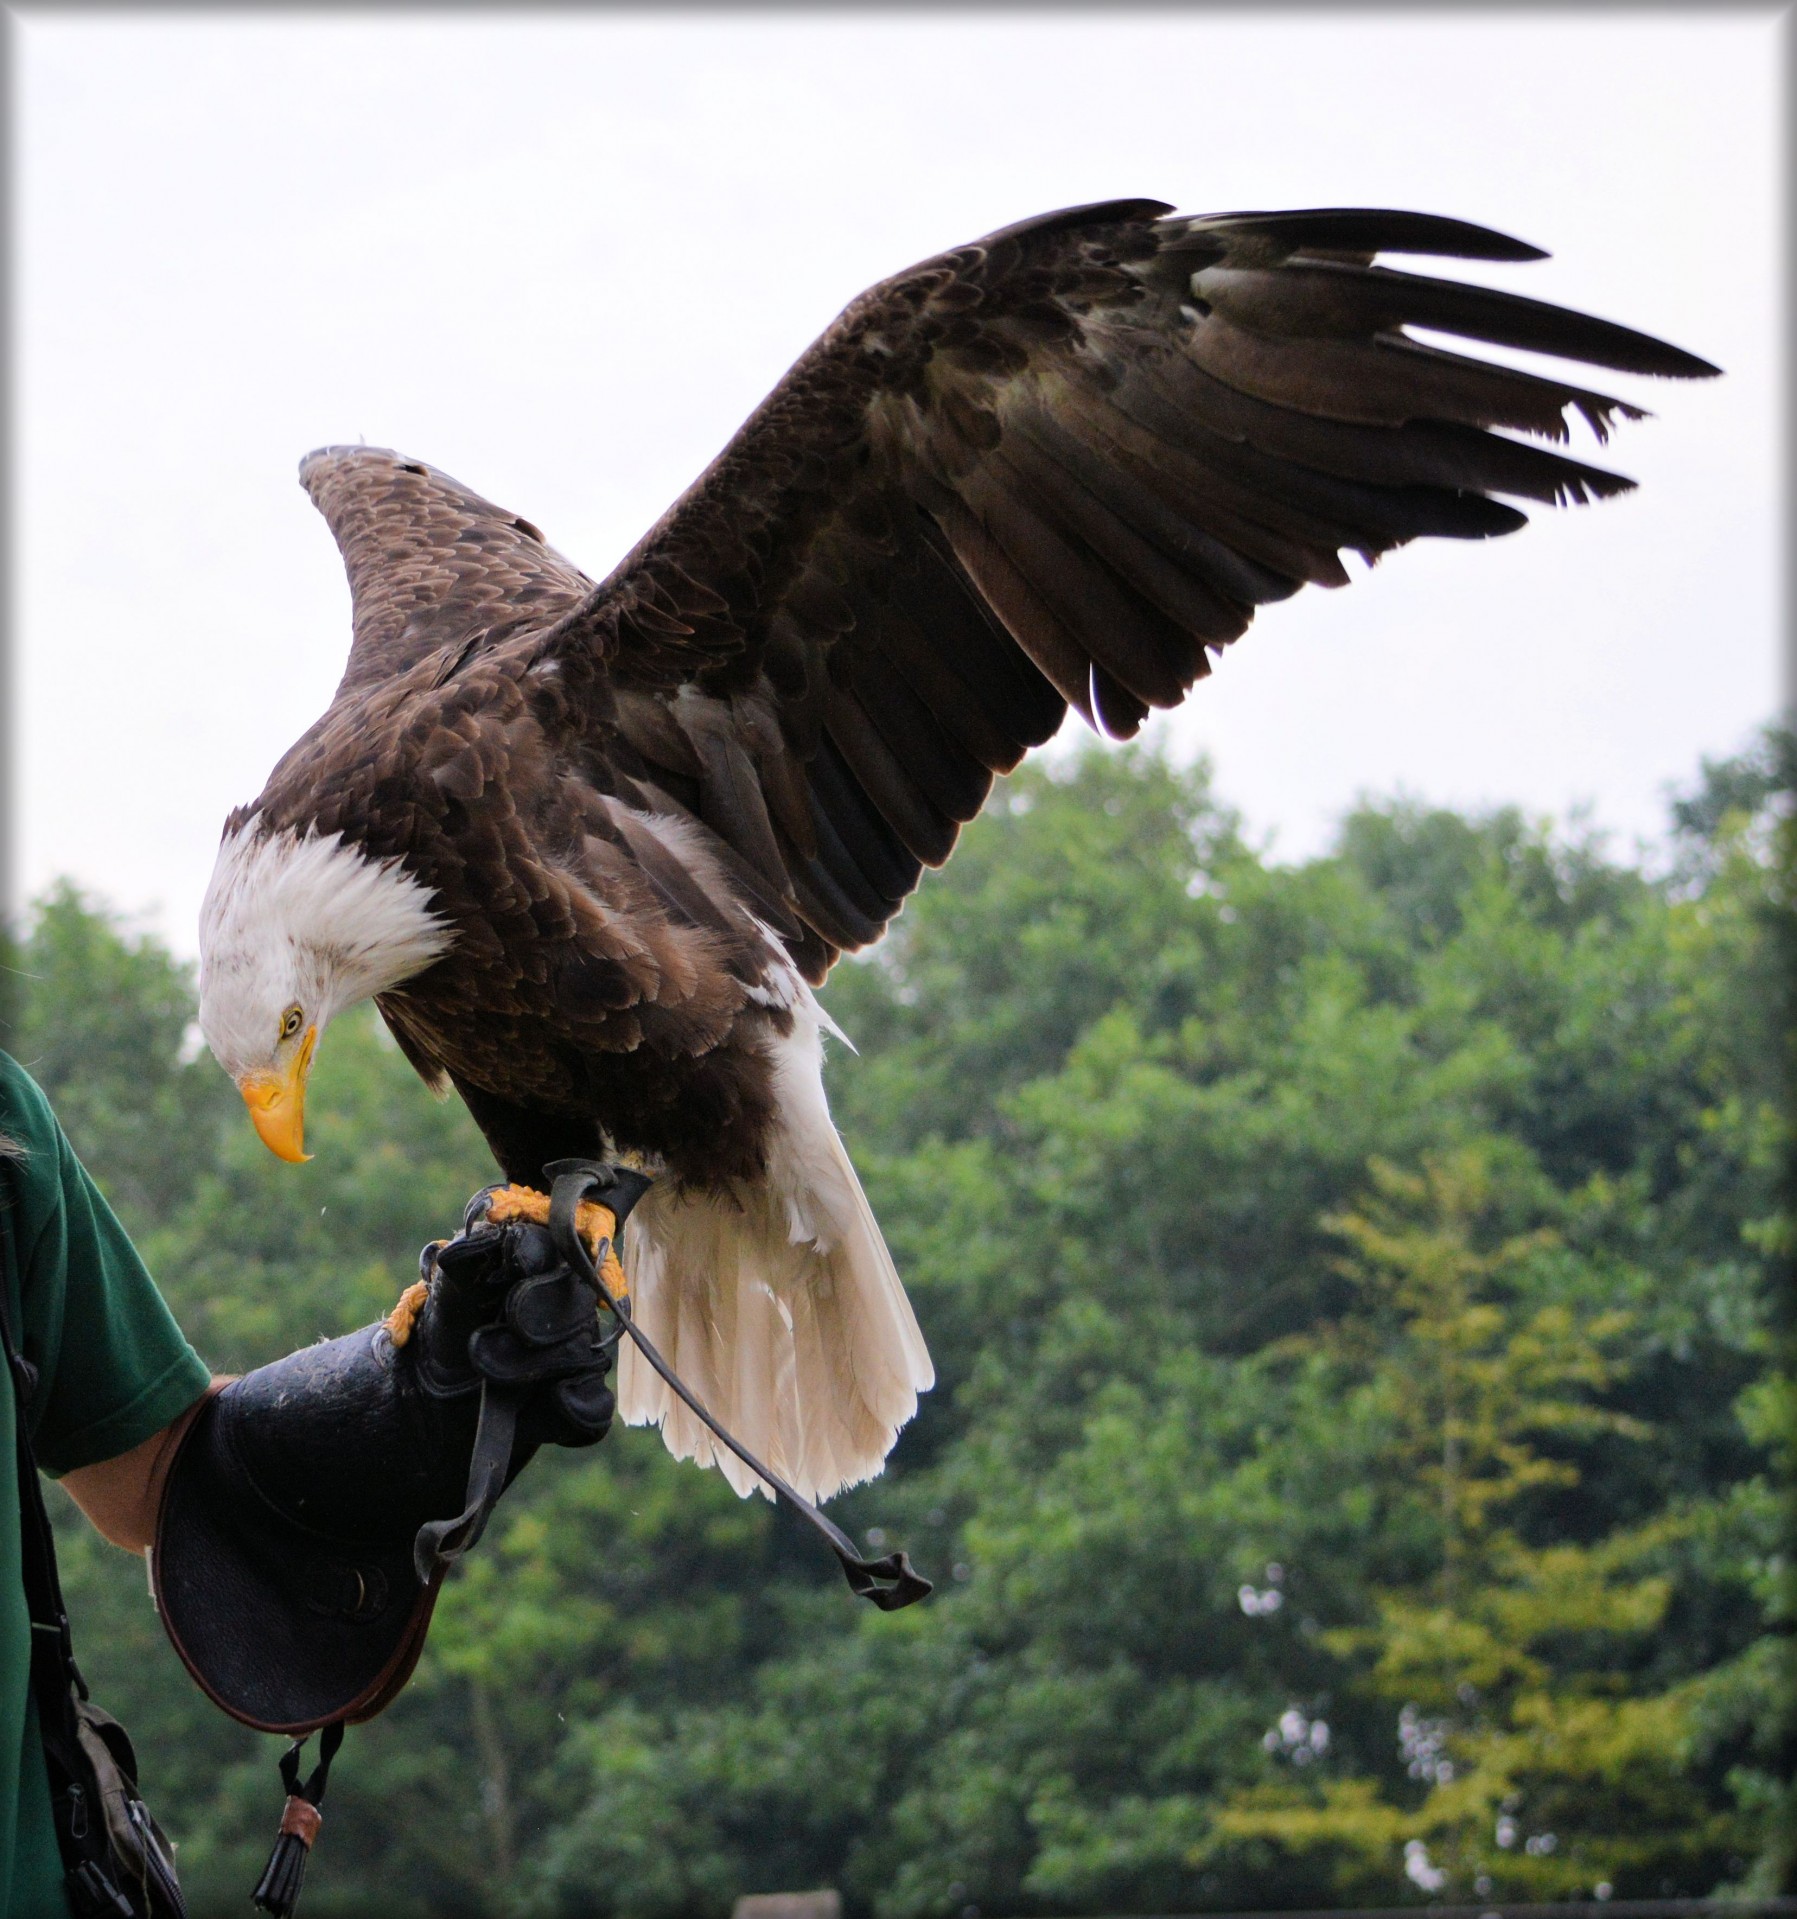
(301, 1818)
(290, 1598)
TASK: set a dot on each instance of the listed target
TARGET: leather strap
(441, 1542)
(278, 1890)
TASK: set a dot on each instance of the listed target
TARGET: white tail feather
(777, 1303)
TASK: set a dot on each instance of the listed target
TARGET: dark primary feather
(1061, 466)
(1360, 231)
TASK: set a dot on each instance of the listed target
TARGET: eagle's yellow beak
(277, 1102)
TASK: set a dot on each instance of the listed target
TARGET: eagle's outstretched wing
(1053, 468)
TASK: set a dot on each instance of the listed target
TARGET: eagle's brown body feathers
(595, 979)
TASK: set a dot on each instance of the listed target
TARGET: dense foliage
(1354, 1473)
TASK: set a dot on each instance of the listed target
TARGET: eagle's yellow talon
(611, 1269)
(518, 1202)
(597, 1226)
(404, 1316)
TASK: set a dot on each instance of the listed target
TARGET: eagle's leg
(597, 1226)
(407, 1307)
(525, 1143)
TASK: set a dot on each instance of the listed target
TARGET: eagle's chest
(695, 1093)
(512, 1026)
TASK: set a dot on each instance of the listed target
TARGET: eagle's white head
(294, 929)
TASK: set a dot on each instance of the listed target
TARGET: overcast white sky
(562, 256)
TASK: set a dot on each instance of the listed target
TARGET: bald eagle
(589, 848)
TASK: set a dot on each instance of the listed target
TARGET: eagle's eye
(292, 1020)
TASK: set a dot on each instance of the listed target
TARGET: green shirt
(113, 1368)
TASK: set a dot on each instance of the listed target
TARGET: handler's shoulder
(26, 1120)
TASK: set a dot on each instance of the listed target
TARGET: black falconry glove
(316, 1503)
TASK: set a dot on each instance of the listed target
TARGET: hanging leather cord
(278, 1891)
(441, 1542)
(890, 1582)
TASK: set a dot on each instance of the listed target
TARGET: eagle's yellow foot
(404, 1315)
(597, 1226)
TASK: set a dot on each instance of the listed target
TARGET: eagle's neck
(345, 923)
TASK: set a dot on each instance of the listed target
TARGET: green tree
(104, 1023)
(1535, 1765)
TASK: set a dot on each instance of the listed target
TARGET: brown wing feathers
(1136, 502)
(1355, 233)
(432, 566)
(1055, 468)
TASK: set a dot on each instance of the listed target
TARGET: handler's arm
(122, 1496)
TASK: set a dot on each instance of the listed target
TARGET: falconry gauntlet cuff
(316, 1503)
